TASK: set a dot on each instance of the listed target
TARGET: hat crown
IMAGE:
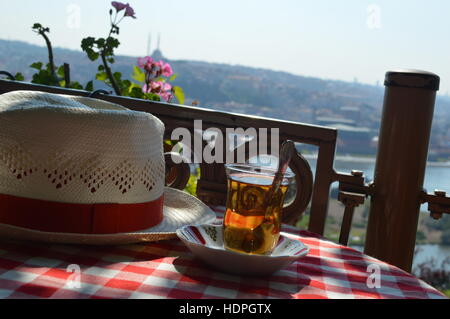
(78, 150)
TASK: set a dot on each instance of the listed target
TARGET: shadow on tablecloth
(282, 284)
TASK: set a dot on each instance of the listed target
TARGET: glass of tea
(252, 221)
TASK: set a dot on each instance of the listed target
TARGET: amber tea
(251, 222)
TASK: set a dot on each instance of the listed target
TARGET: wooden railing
(315, 190)
(211, 187)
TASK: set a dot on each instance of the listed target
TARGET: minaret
(157, 54)
(159, 42)
(149, 44)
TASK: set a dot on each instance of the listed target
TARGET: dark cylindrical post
(400, 167)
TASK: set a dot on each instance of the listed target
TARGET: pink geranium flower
(166, 96)
(166, 92)
(153, 71)
(152, 87)
(165, 87)
(142, 62)
(156, 86)
(166, 69)
(119, 6)
(129, 12)
(158, 64)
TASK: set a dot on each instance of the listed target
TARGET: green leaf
(173, 77)
(36, 65)
(60, 71)
(47, 67)
(134, 85)
(19, 76)
(101, 67)
(138, 74)
(100, 42)
(152, 97)
(191, 186)
(101, 76)
(179, 94)
(75, 85)
(43, 77)
(87, 43)
(92, 55)
(89, 86)
(136, 92)
(118, 77)
(125, 85)
(112, 42)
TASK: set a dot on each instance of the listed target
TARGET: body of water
(437, 176)
(425, 253)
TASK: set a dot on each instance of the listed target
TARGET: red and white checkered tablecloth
(167, 269)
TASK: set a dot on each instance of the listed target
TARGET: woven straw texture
(81, 150)
(78, 150)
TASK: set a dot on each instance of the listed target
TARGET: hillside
(354, 108)
(239, 88)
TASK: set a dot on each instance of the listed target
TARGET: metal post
(400, 166)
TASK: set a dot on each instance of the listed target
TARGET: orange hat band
(79, 218)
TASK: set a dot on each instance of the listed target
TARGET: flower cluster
(152, 77)
(119, 6)
(104, 48)
(154, 83)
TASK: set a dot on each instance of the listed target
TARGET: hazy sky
(347, 39)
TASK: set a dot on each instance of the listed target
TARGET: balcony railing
(396, 193)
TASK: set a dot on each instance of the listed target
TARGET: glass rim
(260, 170)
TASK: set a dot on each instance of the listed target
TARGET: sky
(351, 40)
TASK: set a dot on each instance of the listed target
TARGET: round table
(167, 269)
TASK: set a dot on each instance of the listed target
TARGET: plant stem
(105, 63)
(50, 55)
(109, 74)
(67, 75)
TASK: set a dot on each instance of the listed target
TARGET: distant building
(157, 53)
(351, 112)
(355, 140)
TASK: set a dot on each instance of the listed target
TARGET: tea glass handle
(177, 171)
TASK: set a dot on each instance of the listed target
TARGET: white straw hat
(82, 170)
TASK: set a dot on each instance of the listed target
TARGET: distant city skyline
(355, 40)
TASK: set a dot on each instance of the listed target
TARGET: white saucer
(206, 242)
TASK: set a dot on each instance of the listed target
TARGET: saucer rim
(302, 254)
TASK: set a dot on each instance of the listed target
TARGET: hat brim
(180, 209)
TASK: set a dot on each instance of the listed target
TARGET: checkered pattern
(167, 269)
